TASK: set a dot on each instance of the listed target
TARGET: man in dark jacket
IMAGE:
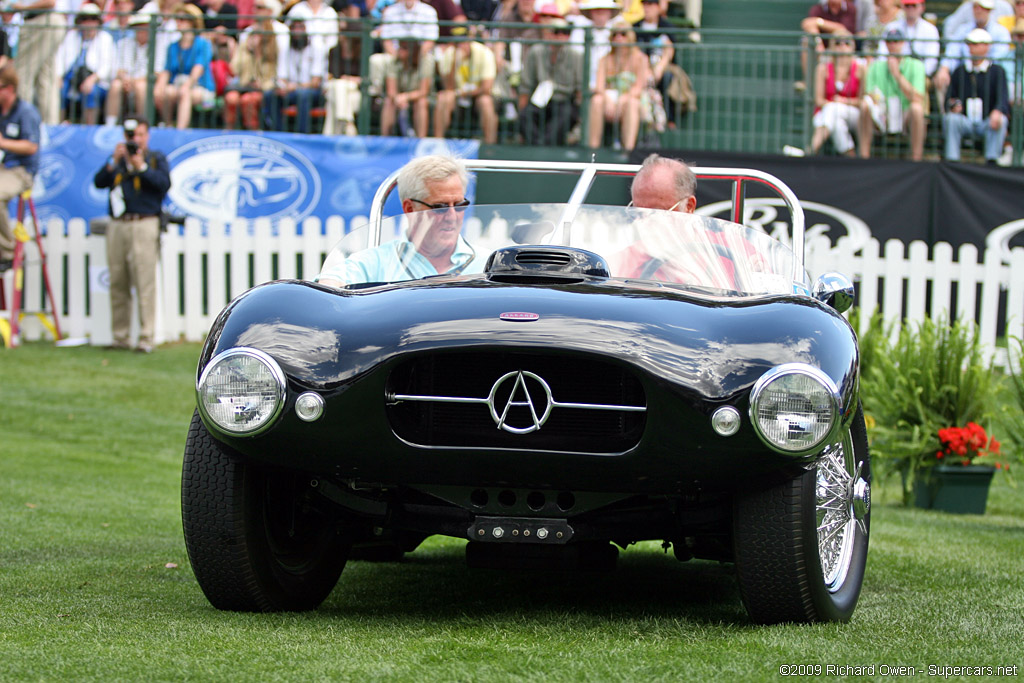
(977, 102)
(138, 178)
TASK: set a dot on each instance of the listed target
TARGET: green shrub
(1011, 412)
(934, 376)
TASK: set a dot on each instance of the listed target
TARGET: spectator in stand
(86, 60)
(320, 20)
(978, 104)
(341, 92)
(118, 25)
(513, 43)
(657, 45)
(5, 41)
(598, 15)
(412, 20)
(1011, 22)
(963, 19)
(885, 12)
(957, 52)
(922, 37)
(408, 85)
(837, 94)
(1015, 25)
(479, 10)
(167, 32)
(619, 96)
(826, 16)
(186, 80)
(894, 98)
(255, 66)
(131, 70)
(221, 18)
(39, 38)
(268, 12)
(301, 71)
(467, 71)
(551, 86)
(448, 11)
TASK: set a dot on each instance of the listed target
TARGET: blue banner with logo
(221, 176)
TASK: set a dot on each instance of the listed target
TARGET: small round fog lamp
(309, 406)
(726, 421)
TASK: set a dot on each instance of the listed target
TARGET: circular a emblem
(520, 402)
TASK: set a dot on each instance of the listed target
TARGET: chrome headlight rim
(779, 371)
(280, 385)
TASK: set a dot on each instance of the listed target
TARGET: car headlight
(241, 391)
(795, 408)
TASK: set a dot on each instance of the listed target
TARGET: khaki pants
(133, 250)
(36, 62)
(13, 181)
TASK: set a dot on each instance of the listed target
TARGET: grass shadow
(435, 584)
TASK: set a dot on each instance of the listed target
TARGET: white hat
(273, 5)
(987, 4)
(139, 19)
(979, 35)
(599, 4)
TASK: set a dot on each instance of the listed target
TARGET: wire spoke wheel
(801, 545)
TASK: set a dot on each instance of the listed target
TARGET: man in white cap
(978, 101)
(957, 52)
(85, 59)
(597, 14)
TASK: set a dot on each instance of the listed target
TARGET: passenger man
(666, 184)
(432, 190)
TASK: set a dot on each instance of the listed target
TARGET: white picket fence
(201, 271)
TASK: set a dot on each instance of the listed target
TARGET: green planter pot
(954, 488)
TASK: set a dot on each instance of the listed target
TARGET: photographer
(138, 178)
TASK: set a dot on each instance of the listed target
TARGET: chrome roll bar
(588, 172)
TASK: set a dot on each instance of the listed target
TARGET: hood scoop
(544, 264)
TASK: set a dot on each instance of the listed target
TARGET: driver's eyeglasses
(458, 206)
(671, 208)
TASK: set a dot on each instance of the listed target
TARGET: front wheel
(257, 541)
(801, 545)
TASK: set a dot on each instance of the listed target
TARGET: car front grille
(516, 400)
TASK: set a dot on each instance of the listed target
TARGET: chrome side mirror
(835, 290)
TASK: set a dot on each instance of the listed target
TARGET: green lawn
(95, 582)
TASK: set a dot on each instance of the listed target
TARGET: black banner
(929, 201)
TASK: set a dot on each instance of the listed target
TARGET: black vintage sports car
(595, 375)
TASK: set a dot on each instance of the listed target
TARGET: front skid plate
(547, 531)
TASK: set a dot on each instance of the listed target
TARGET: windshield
(638, 244)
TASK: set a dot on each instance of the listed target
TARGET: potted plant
(957, 477)
(917, 381)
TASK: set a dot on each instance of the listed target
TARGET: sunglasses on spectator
(458, 206)
(561, 31)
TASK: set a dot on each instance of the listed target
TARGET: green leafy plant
(935, 375)
(1011, 414)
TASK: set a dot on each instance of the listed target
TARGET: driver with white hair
(432, 190)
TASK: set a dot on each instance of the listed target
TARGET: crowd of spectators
(907, 75)
(883, 67)
(261, 65)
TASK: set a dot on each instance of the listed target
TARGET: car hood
(713, 345)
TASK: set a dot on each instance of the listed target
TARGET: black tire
(786, 571)
(257, 540)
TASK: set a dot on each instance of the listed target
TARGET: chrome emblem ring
(520, 396)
